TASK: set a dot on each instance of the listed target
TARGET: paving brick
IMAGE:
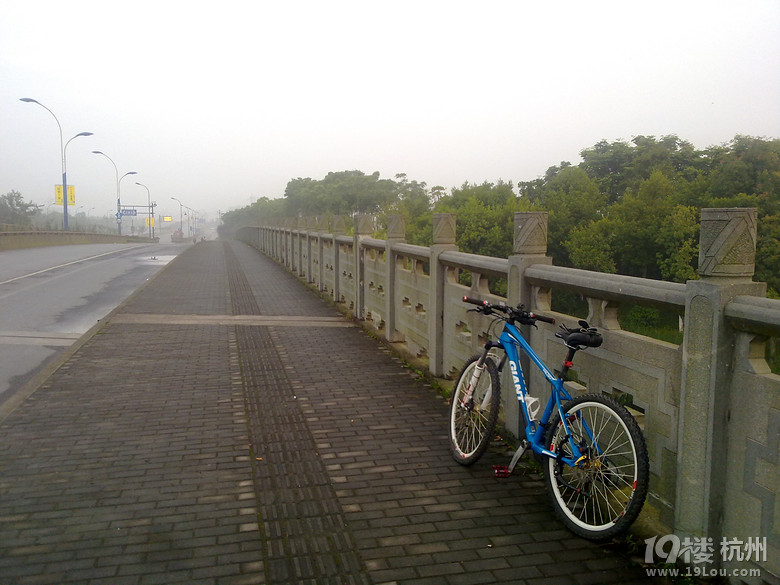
(255, 454)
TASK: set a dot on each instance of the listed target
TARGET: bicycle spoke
(472, 424)
(594, 495)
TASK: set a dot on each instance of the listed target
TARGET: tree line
(630, 207)
(16, 211)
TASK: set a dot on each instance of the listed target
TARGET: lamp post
(194, 216)
(63, 148)
(118, 186)
(181, 221)
(149, 202)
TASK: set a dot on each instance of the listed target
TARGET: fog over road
(50, 296)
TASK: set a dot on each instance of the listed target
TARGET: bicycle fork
(468, 397)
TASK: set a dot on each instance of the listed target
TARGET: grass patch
(663, 324)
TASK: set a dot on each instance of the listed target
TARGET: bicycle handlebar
(544, 319)
(525, 317)
(474, 301)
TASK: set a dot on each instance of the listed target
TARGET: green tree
(262, 211)
(645, 234)
(339, 193)
(15, 210)
(606, 163)
(619, 166)
(488, 194)
(748, 165)
(413, 204)
(572, 199)
(590, 248)
(485, 217)
(678, 245)
(768, 253)
(638, 218)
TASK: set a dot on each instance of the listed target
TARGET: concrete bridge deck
(226, 425)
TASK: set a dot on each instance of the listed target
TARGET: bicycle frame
(511, 341)
(596, 466)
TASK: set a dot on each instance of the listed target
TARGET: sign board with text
(71, 195)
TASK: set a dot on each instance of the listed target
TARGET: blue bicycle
(593, 452)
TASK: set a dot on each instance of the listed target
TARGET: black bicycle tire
(486, 434)
(636, 500)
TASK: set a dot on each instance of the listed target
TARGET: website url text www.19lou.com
(701, 572)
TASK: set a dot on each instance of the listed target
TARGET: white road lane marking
(37, 338)
(61, 266)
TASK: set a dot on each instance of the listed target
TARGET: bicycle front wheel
(601, 496)
(473, 421)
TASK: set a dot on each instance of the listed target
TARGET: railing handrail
(755, 315)
(373, 243)
(611, 287)
(475, 262)
(411, 251)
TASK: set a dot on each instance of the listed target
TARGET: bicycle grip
(475, 301)
(544, 319)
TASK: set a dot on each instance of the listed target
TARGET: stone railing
(709, 407)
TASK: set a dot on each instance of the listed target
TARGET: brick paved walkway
(199, 438)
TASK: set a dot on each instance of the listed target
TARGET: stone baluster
(727, 245)
(443, 240)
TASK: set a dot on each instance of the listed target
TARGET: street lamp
(118, 185)
(194, 216)
(181, 221)
(149, 202)
(63, 147)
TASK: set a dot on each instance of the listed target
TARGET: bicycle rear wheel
(472, 422)
(601, 496)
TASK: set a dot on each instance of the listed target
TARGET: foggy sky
(219, 105)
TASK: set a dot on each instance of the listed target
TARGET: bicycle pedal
(501, 471)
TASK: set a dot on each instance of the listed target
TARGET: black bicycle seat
(585, 336)
(586, 339)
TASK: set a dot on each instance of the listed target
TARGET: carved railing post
(443, 240)
(300, 230)
(339, 229)
(529, 248)
(726, 262)
(322, 228)
(279, 240)
(364, 227)
(311, 231)
(396, 232)
(290, 253)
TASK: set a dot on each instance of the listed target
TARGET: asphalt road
(50, 296)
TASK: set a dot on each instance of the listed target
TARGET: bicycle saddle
(585, 336)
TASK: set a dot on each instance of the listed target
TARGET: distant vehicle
(177, 237)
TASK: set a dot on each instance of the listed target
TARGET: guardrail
(32, 238)
(710, 407)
